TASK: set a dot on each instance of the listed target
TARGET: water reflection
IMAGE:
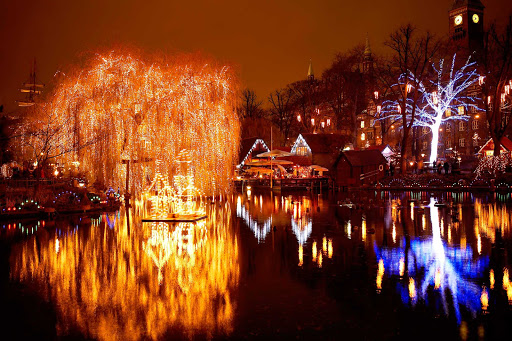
(135, 282)
(373, 262)
(434, 264)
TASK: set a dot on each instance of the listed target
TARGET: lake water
(357, 265)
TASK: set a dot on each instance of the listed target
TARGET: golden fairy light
(120, 113)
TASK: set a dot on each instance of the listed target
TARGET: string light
(124, 107)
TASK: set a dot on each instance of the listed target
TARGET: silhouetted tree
(407, 68)
(250, 105)
(281, 110)
(495, 64)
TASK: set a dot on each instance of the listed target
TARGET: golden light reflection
(437, 279)
(380, 274)
(314, 251)
(324, 245)
(363, 230)
(506, 281)
(134, 282)
(484, 299)
(329, 248)
(402, 267)
(320, 259)
(301, 255)
(412, 288)
(491, 278)
(490, 217)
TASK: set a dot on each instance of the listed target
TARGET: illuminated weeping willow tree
(122, 108)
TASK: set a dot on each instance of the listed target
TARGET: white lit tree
(449, 98)
(446, 98)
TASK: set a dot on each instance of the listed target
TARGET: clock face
(458, 20)
(476, 18)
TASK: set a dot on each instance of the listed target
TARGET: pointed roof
(506, 145)
(367, 50)
(311, 74)
(250, 145)
(469, 3)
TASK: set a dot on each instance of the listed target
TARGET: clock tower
(467, 25)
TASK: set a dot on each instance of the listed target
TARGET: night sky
(269, 41)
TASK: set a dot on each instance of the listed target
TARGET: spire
(368, 60)
(367, 50)
(311, 74)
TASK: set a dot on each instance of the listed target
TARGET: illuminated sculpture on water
(123, 109)
(443, 268)
(182, 201)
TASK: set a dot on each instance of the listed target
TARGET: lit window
(362, 124)
(475, 124)
(461, 126)
(363, 137)
(372, 123)
(323, 124)
(462, 142)
(425, 130)
(298, 118)
(448, 127)
(301, 151)
(312, 121)
(448, 112)
(328, 122)
(461, 110)
(448, 144)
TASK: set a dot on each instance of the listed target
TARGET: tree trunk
(403, 156)
(497, 145)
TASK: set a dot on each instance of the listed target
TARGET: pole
(271, 170)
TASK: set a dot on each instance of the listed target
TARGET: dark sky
(270, 41)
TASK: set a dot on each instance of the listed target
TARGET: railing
(28, 183)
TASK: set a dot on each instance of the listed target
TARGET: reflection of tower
(31, 89)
